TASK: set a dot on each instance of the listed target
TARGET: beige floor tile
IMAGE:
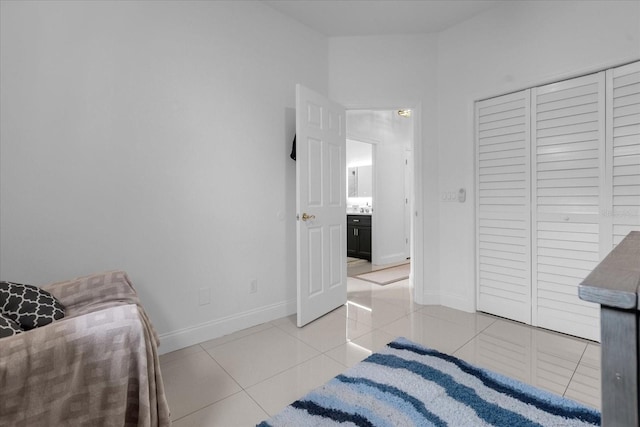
(387, 276)
(591, 356)
(238, 410)
(279, 391)
(261, 355)
(540, 358)
(356, 286)
(178, 354)
(399, 294)
(509, 356)
(357, 350)
(327, 332)
(430, 331)
(277, 362)
(378, 314)
(234, 336)
(478, 321)
(289, 321)
(195, 381)
(366, 267)
(585, 386)
(556, 359)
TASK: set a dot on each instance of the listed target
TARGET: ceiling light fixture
(404, 113)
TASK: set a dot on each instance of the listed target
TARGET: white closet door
(623, 147)
(568, 159)
(503, 206)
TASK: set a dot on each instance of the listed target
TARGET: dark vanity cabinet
(359, 236)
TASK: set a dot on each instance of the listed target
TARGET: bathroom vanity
(359, 236)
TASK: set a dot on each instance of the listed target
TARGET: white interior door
(568, 190)
(503, 206)
(321, 205)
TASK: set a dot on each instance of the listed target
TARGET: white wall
(393, 72)
(511, 47)
(153, 137)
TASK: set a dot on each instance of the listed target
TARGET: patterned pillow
(28, 305)
(8, 327)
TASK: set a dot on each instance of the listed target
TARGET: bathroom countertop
(359, 213)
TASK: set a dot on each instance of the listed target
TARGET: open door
(321, 205)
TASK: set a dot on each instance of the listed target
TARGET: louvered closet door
(567, 158)
(623, 146)
(503, 206)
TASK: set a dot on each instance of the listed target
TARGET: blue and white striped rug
(407, 384)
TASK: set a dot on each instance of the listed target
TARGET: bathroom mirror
(360, 181)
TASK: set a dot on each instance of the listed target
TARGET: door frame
(416, 250)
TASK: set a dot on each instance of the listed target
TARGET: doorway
(383, 139)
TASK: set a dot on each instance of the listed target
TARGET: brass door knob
(307, 217)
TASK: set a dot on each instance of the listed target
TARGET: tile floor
(245, 377)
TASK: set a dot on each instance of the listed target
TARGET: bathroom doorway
(380, 145)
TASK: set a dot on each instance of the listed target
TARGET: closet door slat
(623, 150)
(567, 173)
(503, 200)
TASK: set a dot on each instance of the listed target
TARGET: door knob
(307, 217)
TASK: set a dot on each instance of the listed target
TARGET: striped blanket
(409, 385)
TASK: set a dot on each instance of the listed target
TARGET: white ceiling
(335, 18)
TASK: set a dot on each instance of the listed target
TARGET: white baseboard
(186, 337)
(390, 259)
(448, 300)
(428, 298)
(458, 302)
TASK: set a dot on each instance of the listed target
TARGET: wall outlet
(204, 296)
(253, 286)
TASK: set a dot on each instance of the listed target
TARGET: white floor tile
(585, 386)
(245, 377)
(178, 354)
(359, 349)
(275, 393)
(327, 332)
(430, 331)
(238, 410)
(195, 381)
(232, 337)
(378, 314)
(544, 359)
(261, 355)
(399, 293)
(478, 321)
(500, 352)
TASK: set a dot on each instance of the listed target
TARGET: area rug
(351, 262)
(387, 276)
(407, 384)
